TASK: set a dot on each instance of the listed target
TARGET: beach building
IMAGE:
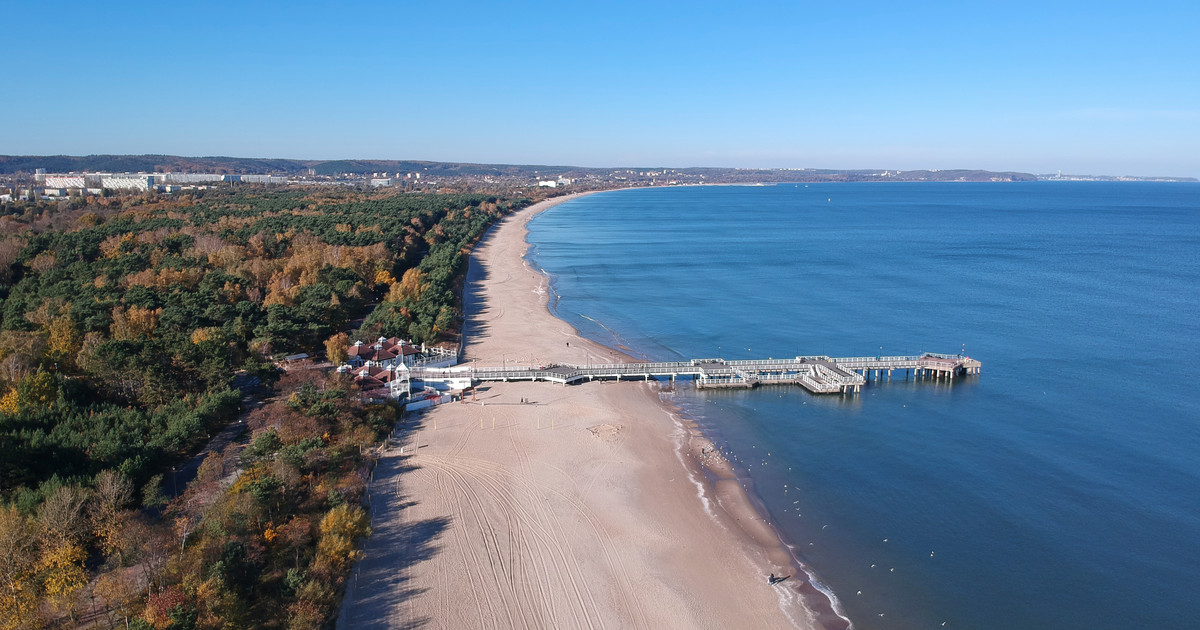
(381, 384)
(383, 369)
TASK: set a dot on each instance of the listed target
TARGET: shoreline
(531, 505)
(723, 481)
(730, 481)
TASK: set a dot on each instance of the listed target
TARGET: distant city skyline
(1095, 88)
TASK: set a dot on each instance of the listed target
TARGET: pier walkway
(817, 374)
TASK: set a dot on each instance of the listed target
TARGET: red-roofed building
(379, 382)
(381, 369)
(394, 351)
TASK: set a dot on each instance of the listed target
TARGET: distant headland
(315, 171)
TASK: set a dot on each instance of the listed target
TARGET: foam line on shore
(828, 613)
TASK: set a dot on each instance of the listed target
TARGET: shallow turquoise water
(1061, 489)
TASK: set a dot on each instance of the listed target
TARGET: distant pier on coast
(817, 374)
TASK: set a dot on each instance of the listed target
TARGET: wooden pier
(817, 374)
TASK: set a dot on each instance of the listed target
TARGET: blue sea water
(1059, 489)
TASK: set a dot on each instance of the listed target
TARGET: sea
(1060, 488)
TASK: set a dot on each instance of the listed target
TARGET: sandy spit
(542, 506)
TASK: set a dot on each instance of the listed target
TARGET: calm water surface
(1061, 489)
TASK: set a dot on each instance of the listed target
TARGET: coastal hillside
(15, 164)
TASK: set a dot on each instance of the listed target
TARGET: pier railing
(817, 373)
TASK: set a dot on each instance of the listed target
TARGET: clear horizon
(1096, 89)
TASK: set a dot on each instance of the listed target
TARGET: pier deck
(817, 374)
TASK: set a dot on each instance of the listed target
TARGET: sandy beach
(544, 506)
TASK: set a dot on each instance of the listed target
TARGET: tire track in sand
(463, 543)
(582, 606)
(615, 561)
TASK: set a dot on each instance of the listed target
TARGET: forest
(125, 324)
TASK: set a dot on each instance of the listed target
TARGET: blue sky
(1096, 87)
